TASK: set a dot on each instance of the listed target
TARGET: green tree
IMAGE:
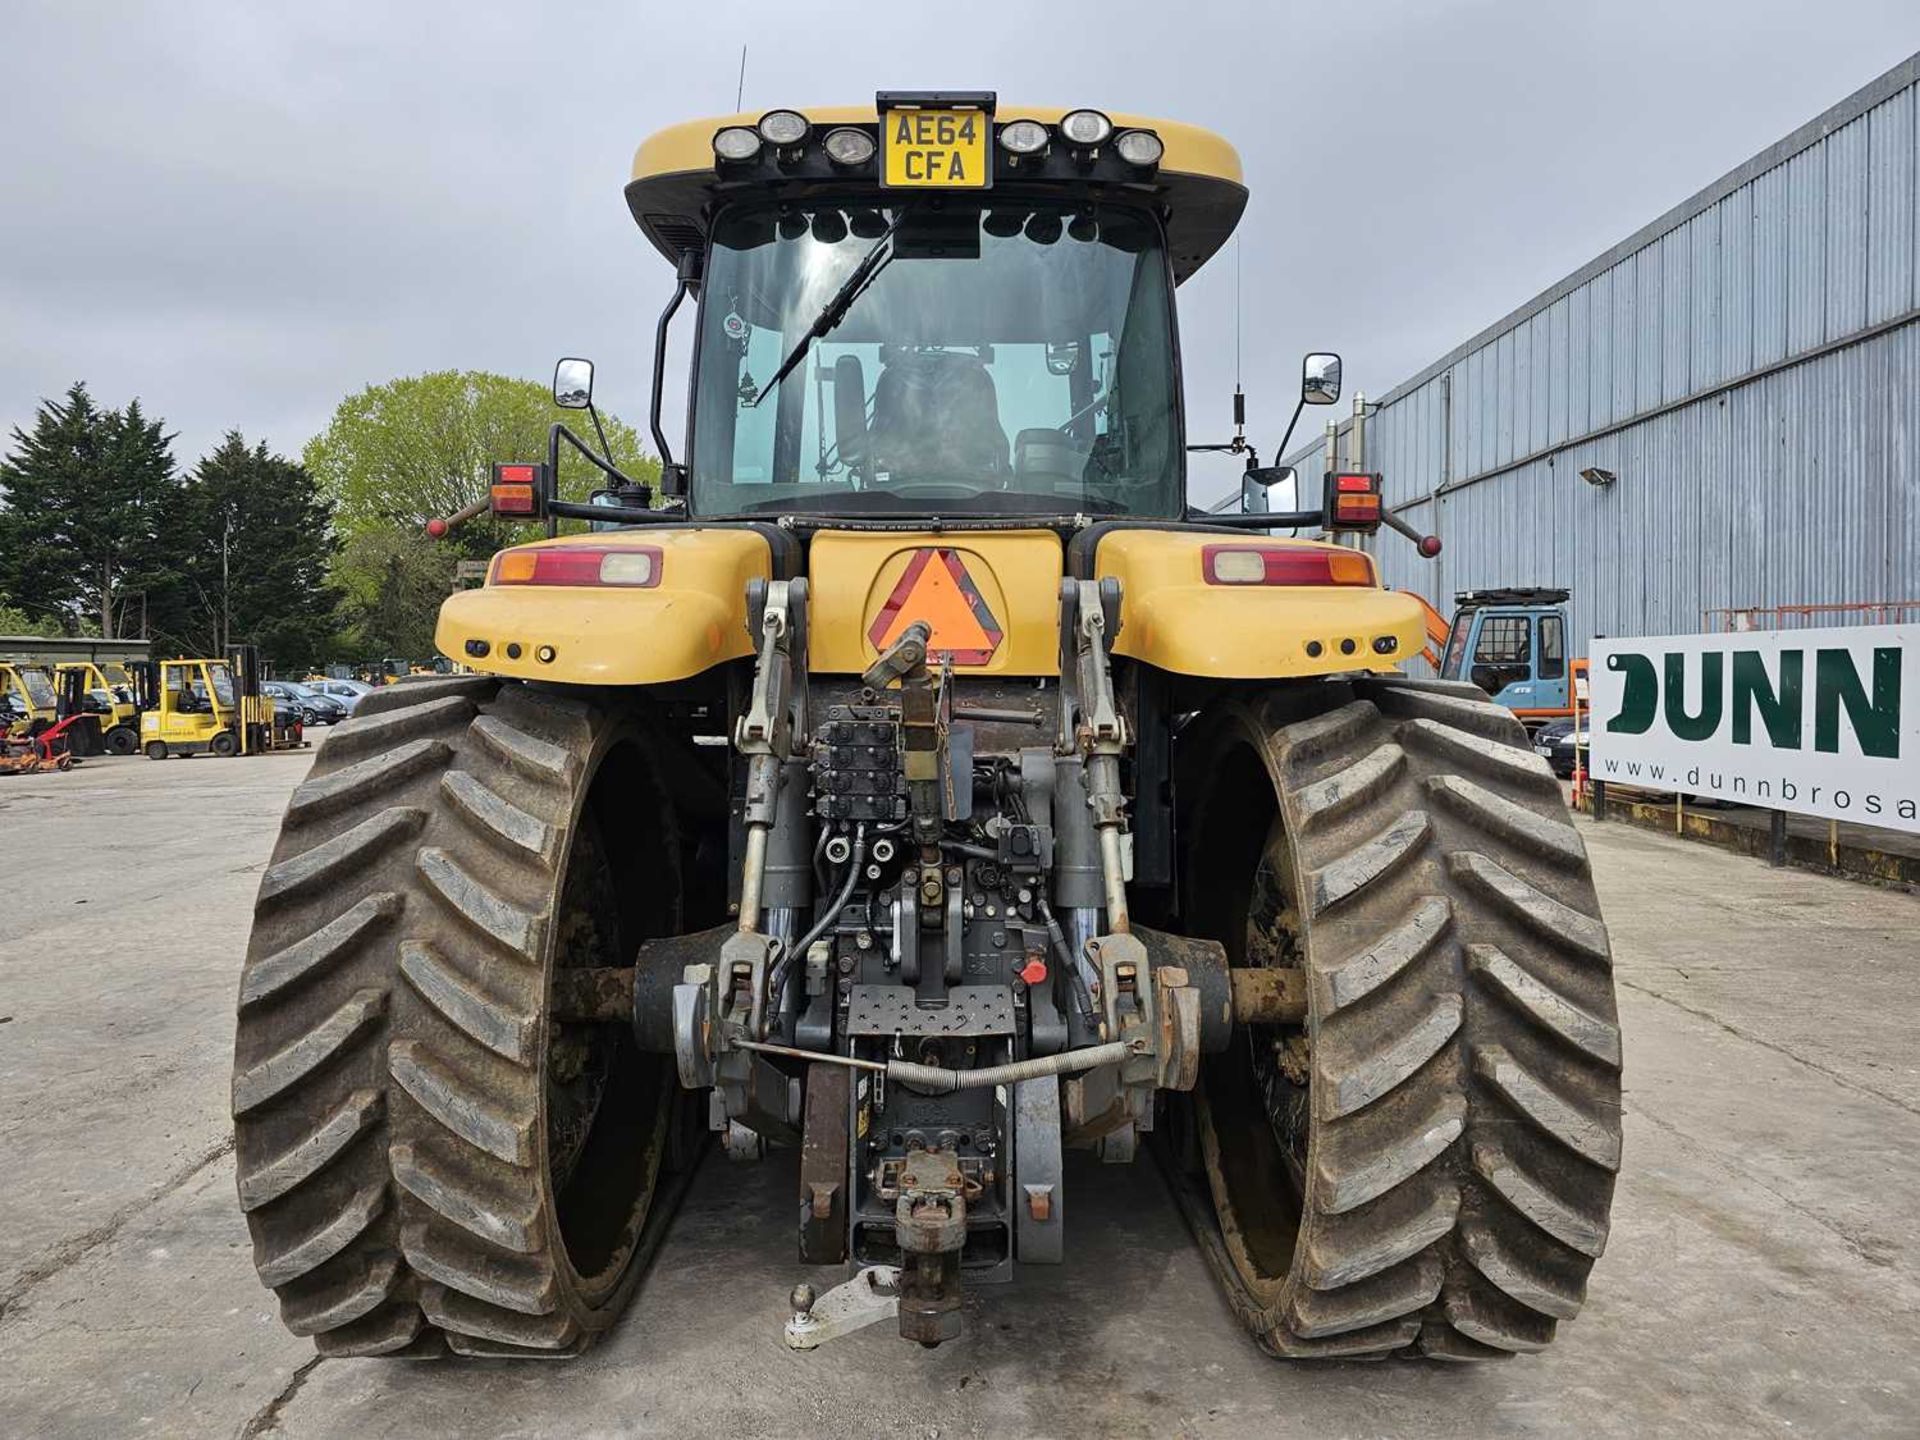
(396, 455)
(84, 492)
(15, 621)
(251, 544)
(406, 451)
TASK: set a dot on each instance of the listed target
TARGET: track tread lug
(321, 1244)
(499, 819)
(370, 729)
(1347, 875)
(523, 1285)
(1423, 1143)
(1552, 840)
(385, 1332)
(1531, 907)
(471, 1320)
(447, 1096)
(510, 1033)
(331, 1306)
(307, 1052)
(501, 921)
(1345, 1083)
(1344, 982)
(356, 783)
(270, 974)
(1332, 796)
(1518, 1279)
(1541, 1003)
(333, 858)
(526, 754)
(1398, 1243)
(266, 1182)
(1597, 1140)
(1536, 1202)
(436, 1181)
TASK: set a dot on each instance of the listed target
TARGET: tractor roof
(676, 186)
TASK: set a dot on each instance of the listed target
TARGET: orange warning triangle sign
(936, 588)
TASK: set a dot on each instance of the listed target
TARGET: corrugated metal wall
(1748, 366)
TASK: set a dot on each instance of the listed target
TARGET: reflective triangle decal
(937, 588)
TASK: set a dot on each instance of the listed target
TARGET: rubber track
(1465, 1041)
(312, 1123)
(386, 1087)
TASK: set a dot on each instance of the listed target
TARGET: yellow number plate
(936, 149)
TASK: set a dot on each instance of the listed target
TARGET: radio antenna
(1239, 395)
(740, 90)
(1236, 312)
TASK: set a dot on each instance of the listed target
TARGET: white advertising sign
(1821, 722)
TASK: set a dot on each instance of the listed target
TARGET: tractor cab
(1512, 643)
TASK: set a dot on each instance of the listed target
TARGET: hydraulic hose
(827, 917)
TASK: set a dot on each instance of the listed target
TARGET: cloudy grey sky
(242, 212)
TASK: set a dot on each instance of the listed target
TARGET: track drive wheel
(1427, 1163)
(427, 1159)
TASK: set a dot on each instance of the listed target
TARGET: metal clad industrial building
(1748, 366)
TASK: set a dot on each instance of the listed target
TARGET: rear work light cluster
(517, 490)
(634, 567)
(1353, 502)
(788, 134)
(1284, 565)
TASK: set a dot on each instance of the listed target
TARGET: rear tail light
(1353, 502)
(1284, 565)
(632, 567)
(517, 490)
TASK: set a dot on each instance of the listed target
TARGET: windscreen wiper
(835, 309)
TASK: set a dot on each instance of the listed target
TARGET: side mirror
(573, 384)
(1320, 379)
(1266, 476)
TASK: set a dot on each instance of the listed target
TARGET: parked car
(347, 692)
(314, 708)
(1555, 742)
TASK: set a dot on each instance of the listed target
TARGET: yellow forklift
(28, 699)
(109, 692)
(190, 706)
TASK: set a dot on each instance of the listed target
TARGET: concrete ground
(1763, 1276)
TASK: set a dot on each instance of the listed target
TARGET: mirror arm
(683, 282)
(600, 430)
(555, 508)
(1270, 520)
(1298, 410)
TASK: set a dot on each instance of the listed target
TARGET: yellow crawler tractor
(922, 781)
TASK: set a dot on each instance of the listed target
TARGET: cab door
(1500, 656)
(1550, 668)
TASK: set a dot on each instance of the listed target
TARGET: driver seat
(936, 415)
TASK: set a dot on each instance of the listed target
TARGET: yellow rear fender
(671, 605)
(1177, 614)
